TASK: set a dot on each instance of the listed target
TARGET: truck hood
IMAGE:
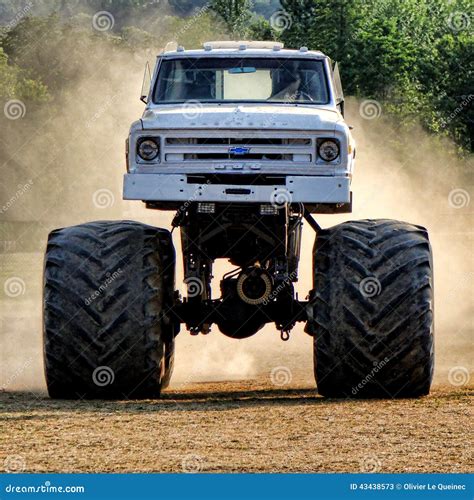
(194, 115)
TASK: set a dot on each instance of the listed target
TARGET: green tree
(413, 55)
(8, 76)
(15, 84)
(261, 29)
(235, 13)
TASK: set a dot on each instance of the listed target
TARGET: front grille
(232, 156)
(238, 146)
(248, 141)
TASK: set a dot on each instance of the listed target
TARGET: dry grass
(239, 426)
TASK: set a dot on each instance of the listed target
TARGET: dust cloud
(73, 160)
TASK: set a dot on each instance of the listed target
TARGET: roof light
(229, 44)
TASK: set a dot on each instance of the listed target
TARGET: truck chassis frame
(263, 241)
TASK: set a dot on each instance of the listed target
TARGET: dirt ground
(238, 426)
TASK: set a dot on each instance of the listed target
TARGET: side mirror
(338, 93)
(146, 84)
(340, 107)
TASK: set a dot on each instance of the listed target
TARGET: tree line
(415, 57)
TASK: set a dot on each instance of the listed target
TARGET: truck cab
(243, 122)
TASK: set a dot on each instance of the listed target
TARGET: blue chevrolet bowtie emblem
(236, 150)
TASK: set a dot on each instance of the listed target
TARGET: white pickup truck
(244, 141)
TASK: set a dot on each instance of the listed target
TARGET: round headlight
(148, 149)
(328, 150)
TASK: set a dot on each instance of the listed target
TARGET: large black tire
(372, 310)
(108, 289)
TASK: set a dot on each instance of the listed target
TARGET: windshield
(241, 79)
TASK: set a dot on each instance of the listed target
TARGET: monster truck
(243, 141)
